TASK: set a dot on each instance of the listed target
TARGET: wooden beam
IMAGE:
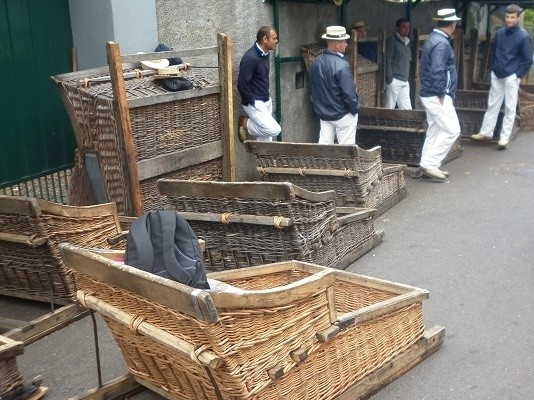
(122, 387)
(227, 107)
(133, 187)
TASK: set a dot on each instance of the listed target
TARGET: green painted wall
(35, 133)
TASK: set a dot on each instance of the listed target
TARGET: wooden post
(227, 107)
(485, 59)
(381, 78)
(473, 59)
(125, 127)
(414, 71)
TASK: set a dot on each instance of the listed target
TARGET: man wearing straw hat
(512, 58)
(439, 79)
(334, 99)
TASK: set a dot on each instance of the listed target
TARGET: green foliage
(528, 18)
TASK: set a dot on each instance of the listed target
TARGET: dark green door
(35, 133)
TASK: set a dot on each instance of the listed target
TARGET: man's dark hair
(400, 21)
(263, 31)
(444, 24)
(513, 9)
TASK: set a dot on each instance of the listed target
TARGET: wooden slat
(238, 218)
(240, 190)
(122, 387)
(47, 324)
(357, 216)
(382, 308)
(393, 114)
(276, 297)
(154, 288)
(227, 107)
(19, 205)
(309, 149)
(203, 51)
(173, 343)
(173, 96)
(10, 348)
(32, 240)
(308, 171)
(372, 383)
(125, 128)
(389, 129)
(166, 163)
(250, 272)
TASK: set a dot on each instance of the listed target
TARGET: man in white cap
(438, 78)
(512, 58)
(334, 98)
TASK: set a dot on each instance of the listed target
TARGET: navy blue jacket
(253, 78)
(437, 72)
(511, 54)
(331, 87)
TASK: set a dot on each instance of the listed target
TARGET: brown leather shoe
(242, 131)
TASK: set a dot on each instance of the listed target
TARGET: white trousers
(261, 123)
(443, 130)
(501, 89)
(344, 129)
(398, 94)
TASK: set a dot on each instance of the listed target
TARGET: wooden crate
(288, 330)
(254, 223)
(356, 175)
(132, 131)
(399, 133)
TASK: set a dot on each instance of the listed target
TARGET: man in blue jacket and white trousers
(512, 58)
(438, 78)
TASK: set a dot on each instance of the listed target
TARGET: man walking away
(438, 78)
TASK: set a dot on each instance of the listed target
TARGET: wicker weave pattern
(355, 353)
(175, 126)
(250, 341)
(38, 271)
(526, 105)
(471, 121)
(10, 377)
(161, 128)
(398, 146)
(208, 171)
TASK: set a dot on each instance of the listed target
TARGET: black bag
(172, 61)
(163, 243)
(176, 84)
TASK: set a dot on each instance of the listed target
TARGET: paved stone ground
(469, 241)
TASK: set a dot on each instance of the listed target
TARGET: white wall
(131, 23)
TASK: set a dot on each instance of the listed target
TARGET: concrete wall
(139, 25)
(131, 23)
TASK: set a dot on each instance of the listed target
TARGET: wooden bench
(254, 223)
(356, 175)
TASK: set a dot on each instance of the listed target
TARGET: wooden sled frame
(127, 384)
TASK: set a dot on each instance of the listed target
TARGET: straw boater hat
(446, 14)
(359, 25)
(154, 64)
(336, 33)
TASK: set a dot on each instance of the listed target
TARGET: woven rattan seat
(356, 175)
(30, 232)
(253, 223)
(399, 133)
(289, 330)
